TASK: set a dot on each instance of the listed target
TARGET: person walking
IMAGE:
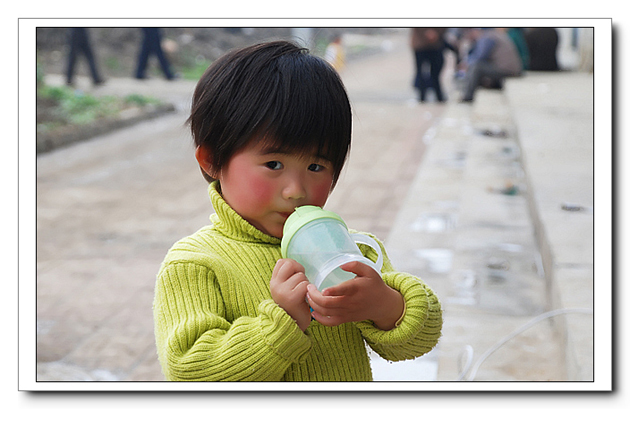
(542, 44)
(79, 40)
(152, 45)
(428, 46)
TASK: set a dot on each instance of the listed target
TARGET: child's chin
(277, 234)
(276, 231)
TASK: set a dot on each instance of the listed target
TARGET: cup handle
(367, 240)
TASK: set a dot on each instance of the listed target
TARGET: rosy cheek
(261, 192)
(246, 190)
(320, 193)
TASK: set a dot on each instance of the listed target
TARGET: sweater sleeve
(421, 326)
(195, 342)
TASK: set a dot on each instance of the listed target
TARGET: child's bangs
(307, 117)
(305, 138)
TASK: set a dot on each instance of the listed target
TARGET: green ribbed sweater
(215, 319)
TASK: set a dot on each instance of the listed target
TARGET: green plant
(140, 100)
(196, 70)
(77, 107)
(56, 93)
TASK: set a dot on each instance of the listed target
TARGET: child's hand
(288, 289)
(362, 298)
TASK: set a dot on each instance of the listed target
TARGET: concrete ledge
(465, 228)
(553, 115)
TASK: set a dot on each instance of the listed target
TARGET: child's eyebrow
(270, 150)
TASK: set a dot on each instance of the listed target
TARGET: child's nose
(294, 189)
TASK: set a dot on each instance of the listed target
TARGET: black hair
(277, 92)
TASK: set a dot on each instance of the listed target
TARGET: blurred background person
(493, 58)
(79, 41)
(517, 35)
(335, 54)
(542, 44)
(152, 45)
(428, 46)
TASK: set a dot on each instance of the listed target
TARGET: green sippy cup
(319, 240)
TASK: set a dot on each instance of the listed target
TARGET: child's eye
(315, 167)
(274, 165)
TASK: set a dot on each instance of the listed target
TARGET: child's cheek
(261, 192)
(321, 192)
(247, 190)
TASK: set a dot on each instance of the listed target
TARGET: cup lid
(302, 216)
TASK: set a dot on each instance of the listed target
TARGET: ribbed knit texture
(215, 319)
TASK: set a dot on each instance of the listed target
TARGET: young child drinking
(272, 129)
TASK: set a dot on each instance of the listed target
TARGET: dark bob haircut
(274, 92)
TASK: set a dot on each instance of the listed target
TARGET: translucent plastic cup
(320, 241)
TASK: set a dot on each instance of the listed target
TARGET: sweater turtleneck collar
(231, 224)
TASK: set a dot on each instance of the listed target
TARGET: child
(272, 127)
(335, 54)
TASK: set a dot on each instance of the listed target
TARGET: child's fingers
(314, 295)
(297, 282)
(323, 304)
(327, 320)
(327, 310)
(286, 268)
(360, 269)
(345, 288)
(301, 291)
(277, 267)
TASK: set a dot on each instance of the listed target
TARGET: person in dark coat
(79, 41)
(428, 46)
(152, 45)
(542, 44)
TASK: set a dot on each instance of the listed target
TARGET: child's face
(264, 187)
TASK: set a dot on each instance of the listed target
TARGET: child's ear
(204, 158)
